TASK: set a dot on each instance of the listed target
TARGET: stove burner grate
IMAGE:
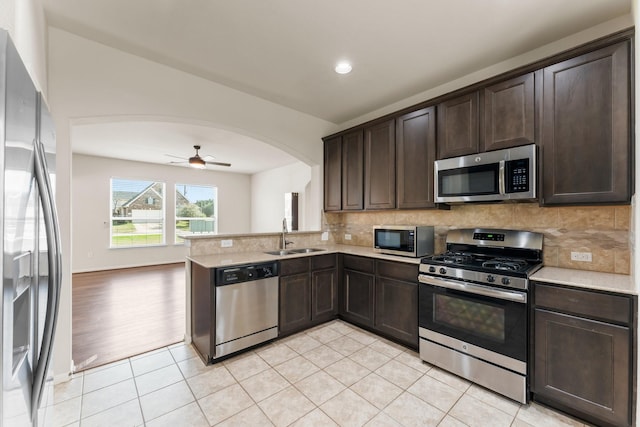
(505, 264)
(453, 258)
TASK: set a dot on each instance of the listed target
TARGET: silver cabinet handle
(55, 274)
(514, 296)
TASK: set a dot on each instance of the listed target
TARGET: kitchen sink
(283, 252)
(306, 250)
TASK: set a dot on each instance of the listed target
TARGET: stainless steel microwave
(405, 240)
(495, 175)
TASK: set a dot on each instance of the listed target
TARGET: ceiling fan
(198, 162)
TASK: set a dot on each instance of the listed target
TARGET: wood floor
(122, 313)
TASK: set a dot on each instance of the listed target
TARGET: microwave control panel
(518, 176)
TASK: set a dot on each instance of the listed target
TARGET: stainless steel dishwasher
(246, 306)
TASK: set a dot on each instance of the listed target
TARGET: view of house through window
(137, 213)
(196, 210)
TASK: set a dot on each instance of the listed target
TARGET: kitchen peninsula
(379, 293)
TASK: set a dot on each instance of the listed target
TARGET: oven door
(494, 319)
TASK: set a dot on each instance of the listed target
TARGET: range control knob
(506, 280)
(491, 279)
(432, 269)
(443, 270)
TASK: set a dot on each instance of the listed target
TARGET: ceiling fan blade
(177, 163)
(218, 164)
(176, 157)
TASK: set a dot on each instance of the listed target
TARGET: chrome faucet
(285, 242)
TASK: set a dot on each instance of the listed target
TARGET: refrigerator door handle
(54, 277)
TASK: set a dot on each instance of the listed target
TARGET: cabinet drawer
(320, 262)
(358, 263)
(398, 270)
(595, 305)
(294, 266)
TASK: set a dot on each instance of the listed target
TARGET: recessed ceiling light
(343, 68)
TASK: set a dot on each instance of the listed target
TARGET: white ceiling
(285, 50)
(159, 142)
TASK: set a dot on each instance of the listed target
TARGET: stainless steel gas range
(473, 313)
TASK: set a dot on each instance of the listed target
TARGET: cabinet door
(333, 174)
(397, 309)
(509, 113)
(357, 306)
(380, 166)
(415, 153)
(586, 138)
(295, 303)
(584, 365)
(324, 295)
(352, 171)
(458, 133)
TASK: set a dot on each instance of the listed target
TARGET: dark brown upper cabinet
(458, 133)
(509, 113)
(333, 174)
(576, 106)
(415, 153)
(352, 171)
(586, 135)
(380, 166)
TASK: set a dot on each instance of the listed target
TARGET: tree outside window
(196, 210)
(137, 213)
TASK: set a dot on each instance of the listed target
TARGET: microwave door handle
(501, 178)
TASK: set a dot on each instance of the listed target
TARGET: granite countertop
(562, 276)
(238, 258)
(587, 279)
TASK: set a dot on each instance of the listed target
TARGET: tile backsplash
(601, 230)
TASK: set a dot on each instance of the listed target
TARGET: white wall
(89, 81)
(91, 210)
(267, 197)
(25, 22)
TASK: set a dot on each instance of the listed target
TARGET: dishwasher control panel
(245, 273)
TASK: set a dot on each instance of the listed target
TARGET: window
(196, 210)
(137, 213)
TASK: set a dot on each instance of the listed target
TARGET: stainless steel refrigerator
(31, 265)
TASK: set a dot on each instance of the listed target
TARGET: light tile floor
(334, 374)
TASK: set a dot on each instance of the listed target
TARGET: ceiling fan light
(197, 162)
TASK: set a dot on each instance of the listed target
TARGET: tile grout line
(135, 384)
(295, 385)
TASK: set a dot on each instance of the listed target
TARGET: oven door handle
(514, 296)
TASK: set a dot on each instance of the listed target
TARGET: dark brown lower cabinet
(295, 303)
(584, 363)
(324, 295)
(358, 297)
(381, 296)
(308, 292)
(395, 314)
(396, 303)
